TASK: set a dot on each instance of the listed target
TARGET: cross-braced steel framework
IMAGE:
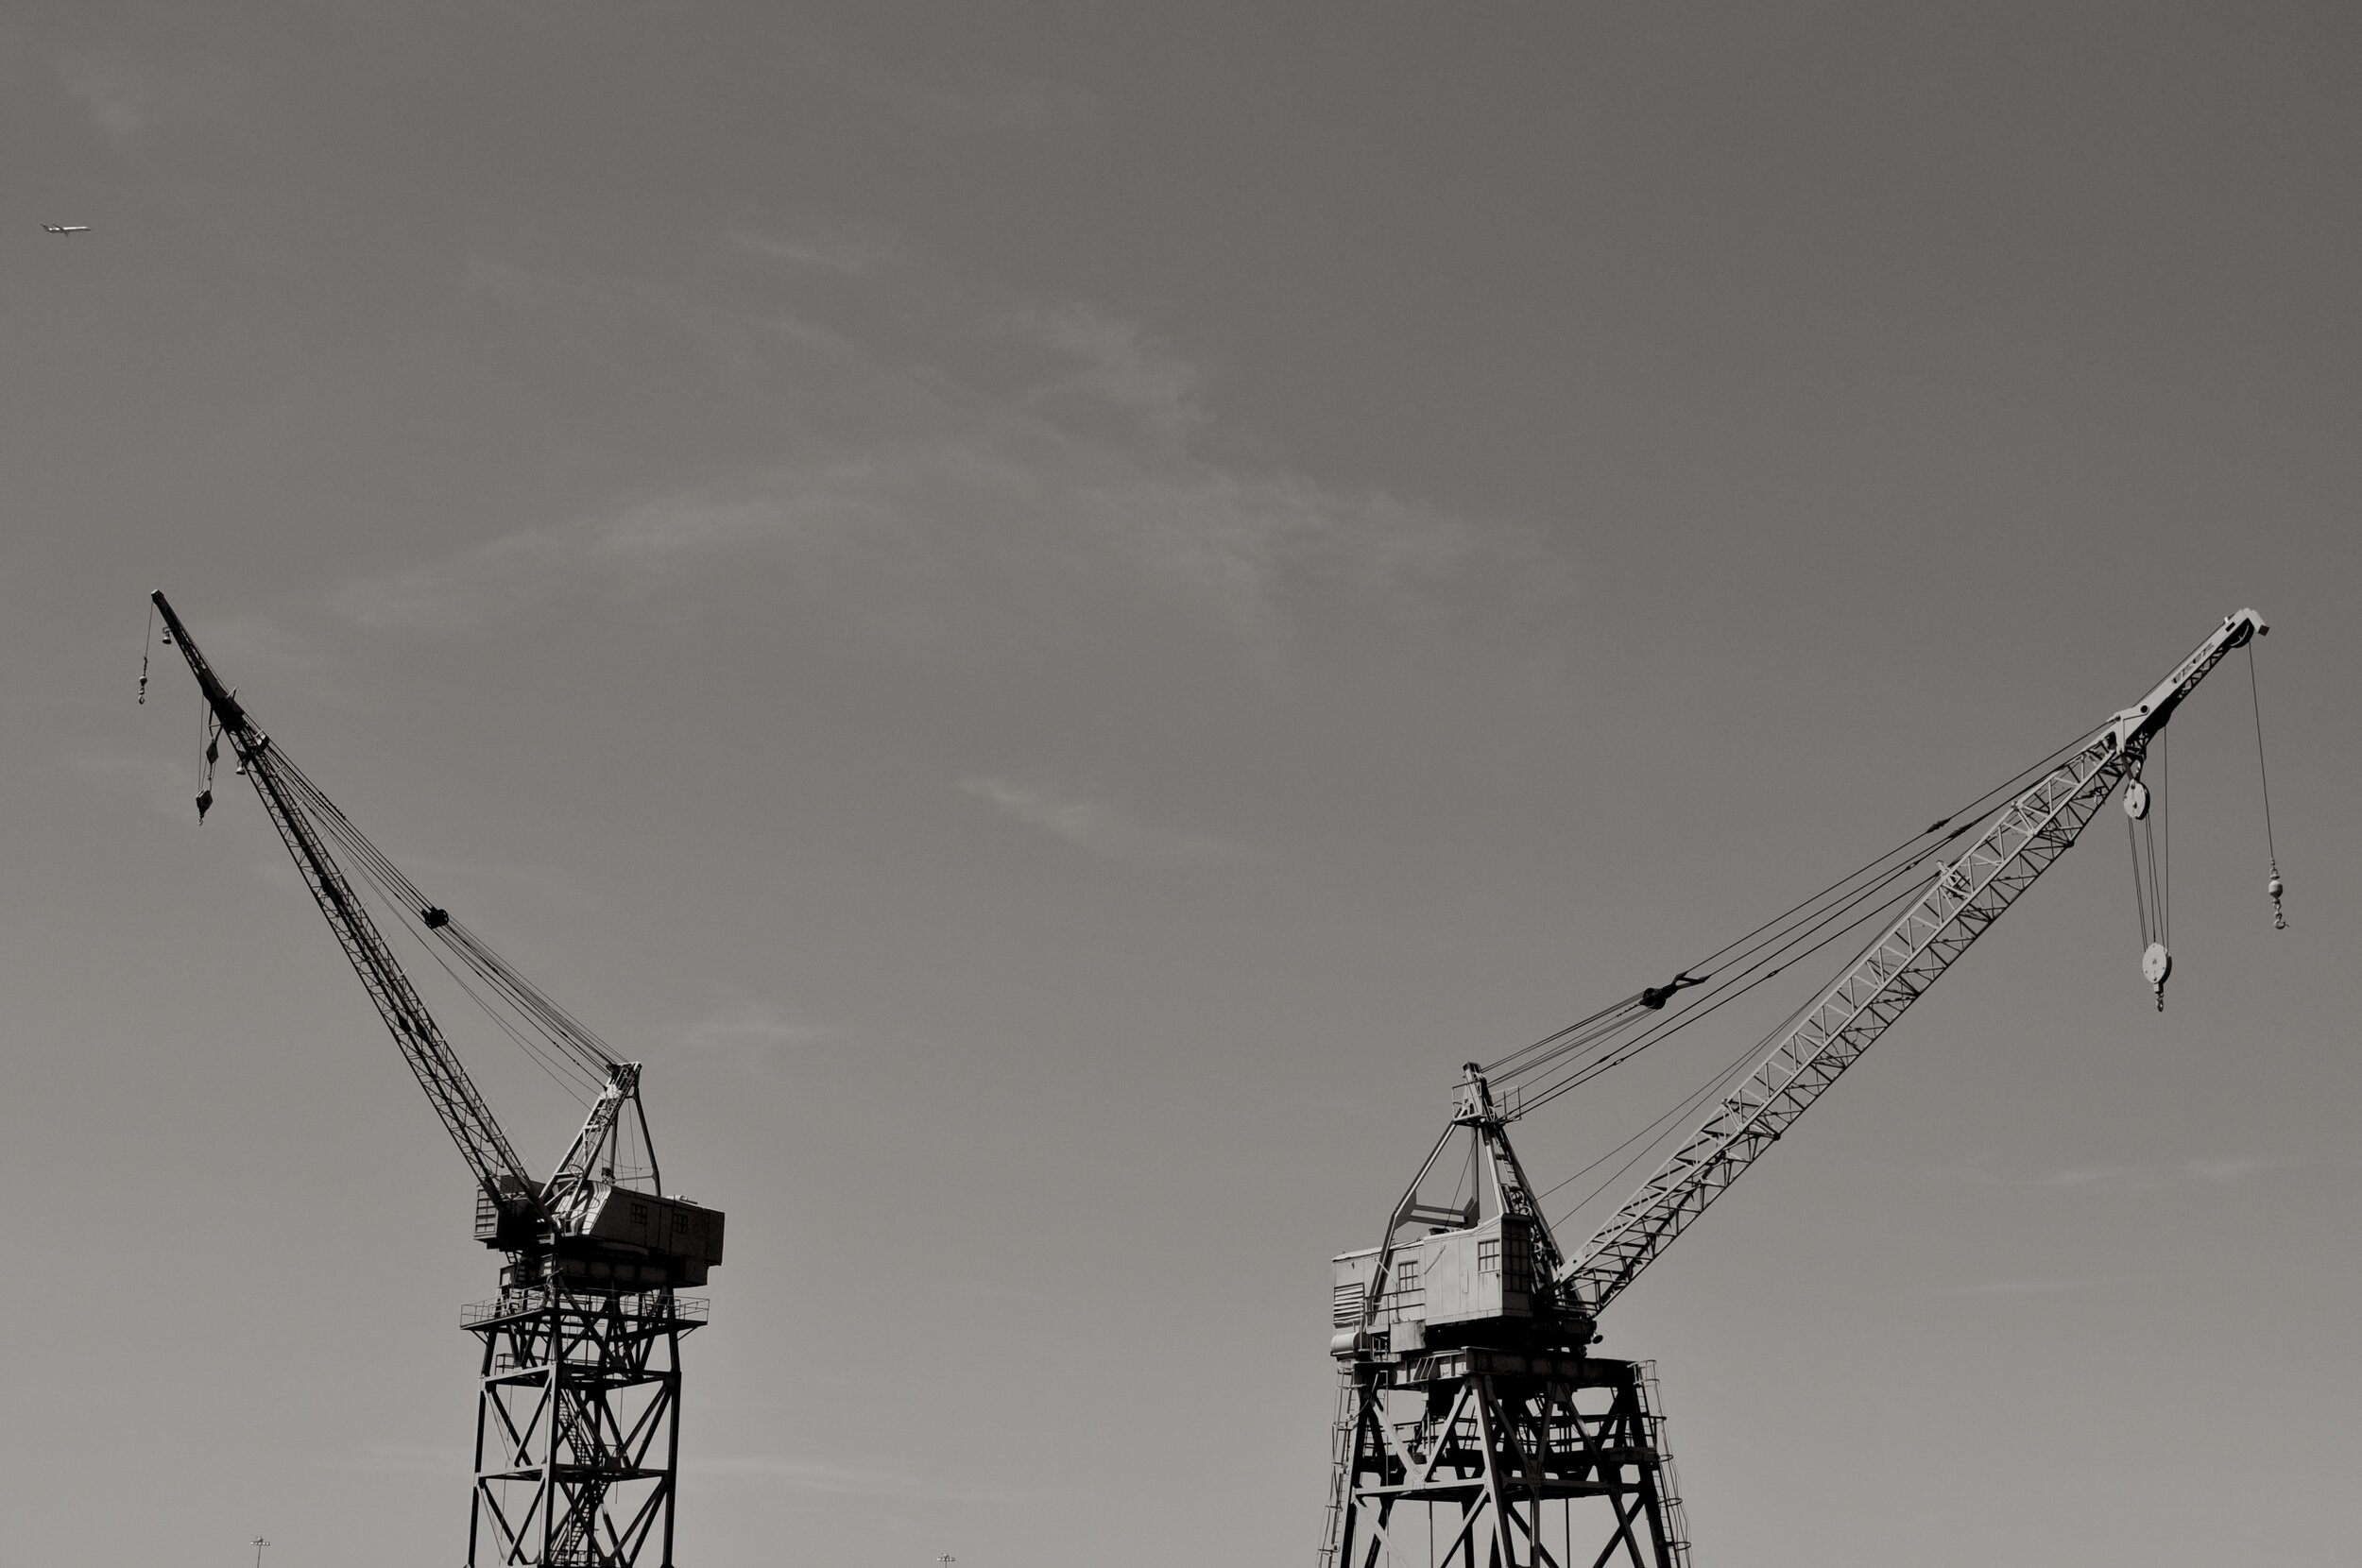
(1486, 1458)
(577, 1428)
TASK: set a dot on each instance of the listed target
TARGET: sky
(1052, 612)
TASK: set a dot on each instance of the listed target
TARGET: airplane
(66, 228)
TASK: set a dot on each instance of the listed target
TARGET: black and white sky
(1053, 611)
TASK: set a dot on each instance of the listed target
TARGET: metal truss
(1961, 902)
(1488, 1458)
(577, 1428)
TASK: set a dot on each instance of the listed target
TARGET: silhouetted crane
(578, 1445)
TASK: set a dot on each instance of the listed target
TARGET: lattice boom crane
(1465, 1385)
(576, 1441)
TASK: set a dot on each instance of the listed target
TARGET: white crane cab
(1443, 1288)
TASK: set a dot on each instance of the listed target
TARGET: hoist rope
(584, 1055)
(1657, 1130)
(2165, 835)
(1600, 1042)
(2152, 868)
(569, 1075)
(560, 1070)
(2140, 898)
(2262, 776)
(1874, 892)
(147, 644)
(1721, 995)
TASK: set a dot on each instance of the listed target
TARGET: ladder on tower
(1342, 1431)
(1669, 1486)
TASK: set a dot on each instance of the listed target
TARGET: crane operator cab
(1478, 1269)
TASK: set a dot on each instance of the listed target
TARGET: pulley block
(2156, 964)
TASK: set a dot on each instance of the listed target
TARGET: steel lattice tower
(577, 1427)
(1487, 1458)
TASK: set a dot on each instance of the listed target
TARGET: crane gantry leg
(1487, 1458)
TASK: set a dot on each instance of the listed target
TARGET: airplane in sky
(66, 228)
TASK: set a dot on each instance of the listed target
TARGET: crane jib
(462, 1110)
(1962, 900)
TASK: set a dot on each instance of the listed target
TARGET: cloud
(744, 1039)
(150, 71)
(822, 1478)
(2022, 1286)
(943, 454)
(415, 1459)
(785, 1473)
(1096, 827)
(825, 244)
(1106, 359)
(2113, 1179)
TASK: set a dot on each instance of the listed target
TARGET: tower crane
(578, 1439)
(1467, 1398)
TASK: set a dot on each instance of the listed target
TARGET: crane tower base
(577, 1439)
(1475, 1458)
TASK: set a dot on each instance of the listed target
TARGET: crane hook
(2276, 887)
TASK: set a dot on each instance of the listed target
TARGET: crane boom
(1960, 903)
(465, 1115)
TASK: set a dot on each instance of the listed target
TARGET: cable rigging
(2274, 886)
(576, 1451)
(1591, 1045)
(1462, 1339)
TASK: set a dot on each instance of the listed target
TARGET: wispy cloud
(786, 1472)
(2026, 1286)
(744, 1039)
(1095, 827)
(131, 76)
(972, 442)
(823, 1479)
(415, 1459)
(2113, 1178)
(825, 244)
(1106, 359)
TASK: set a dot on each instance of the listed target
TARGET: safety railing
(649, 1306)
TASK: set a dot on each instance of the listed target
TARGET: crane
(577, 1440)
(1466, 1388)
